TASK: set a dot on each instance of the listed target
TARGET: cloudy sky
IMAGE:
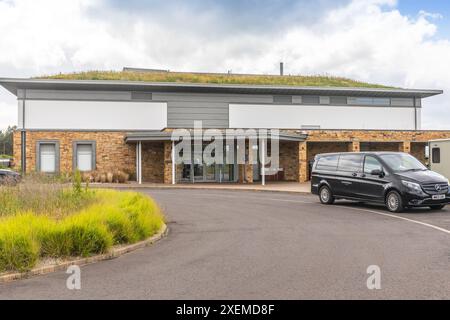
(403, 43)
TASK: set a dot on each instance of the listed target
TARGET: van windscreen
(400, 162)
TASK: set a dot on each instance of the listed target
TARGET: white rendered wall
(95, 115)
(327, 117)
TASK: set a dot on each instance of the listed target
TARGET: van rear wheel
(325, 195)
(394, 202)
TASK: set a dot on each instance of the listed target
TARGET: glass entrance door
(210, 173)
(198, 171)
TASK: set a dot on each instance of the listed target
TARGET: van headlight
(412, 186)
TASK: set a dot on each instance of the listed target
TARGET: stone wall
(111, 150)
(113, 153)
(375, 135)
(418, 151)
(153, 162)
(381, 146)
(167, 162)
(289, 160)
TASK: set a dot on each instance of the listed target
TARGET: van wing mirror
(377, 172)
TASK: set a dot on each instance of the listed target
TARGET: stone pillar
(303, 162)
(248, 168)
(17, 150)
(354, 146)
(405, 146)
(241, 173)
(167, 162)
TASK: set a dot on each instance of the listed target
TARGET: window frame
(364, 164)
(75, 144)
(433, 158)
(57, 155)
(369, 101)
(327, 167)
(361, 163)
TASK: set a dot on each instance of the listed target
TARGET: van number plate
(438, 197)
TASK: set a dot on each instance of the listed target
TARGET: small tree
(6, 140)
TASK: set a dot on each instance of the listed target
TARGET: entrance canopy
(167, 136)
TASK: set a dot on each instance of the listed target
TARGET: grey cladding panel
(198, 116)
(214, 98)
(141, 96)
(183, 113)
(282, 99)
(402, 102)
(212, 109)
(190, 123)
(78, 95)
(338, 100)
(310, 99)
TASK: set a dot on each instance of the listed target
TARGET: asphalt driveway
(262, 245)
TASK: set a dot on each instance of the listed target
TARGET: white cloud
(368, 40)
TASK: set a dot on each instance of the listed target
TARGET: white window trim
(38, 155)
(92, 143)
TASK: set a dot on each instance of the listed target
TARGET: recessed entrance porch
(156, 161)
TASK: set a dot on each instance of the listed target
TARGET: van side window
(350, 163)
(327, 163)
(436, 155)
(370, 164)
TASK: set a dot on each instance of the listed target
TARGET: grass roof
(215, 78)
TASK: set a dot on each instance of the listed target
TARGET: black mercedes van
(395, 179)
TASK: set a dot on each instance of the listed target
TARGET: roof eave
(12, 84)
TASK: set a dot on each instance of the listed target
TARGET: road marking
(403, 218)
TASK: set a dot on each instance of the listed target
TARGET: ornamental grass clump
(55, 229)
(19, 249)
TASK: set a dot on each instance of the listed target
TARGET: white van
(440, 156)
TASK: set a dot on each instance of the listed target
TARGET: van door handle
(354, 174)
(347, 183)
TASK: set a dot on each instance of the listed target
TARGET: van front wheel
(394, 202)
(325, 195)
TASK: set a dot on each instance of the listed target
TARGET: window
(47, 156)
(338, 100)
(402, 102)
(84, 155)
(282, 99)
(324, 100)
(370, 164)
(350, 162)
(310, 99)
(369, 101)
(327, 163)
(436, 155)
(401, 162)
(143, 96)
